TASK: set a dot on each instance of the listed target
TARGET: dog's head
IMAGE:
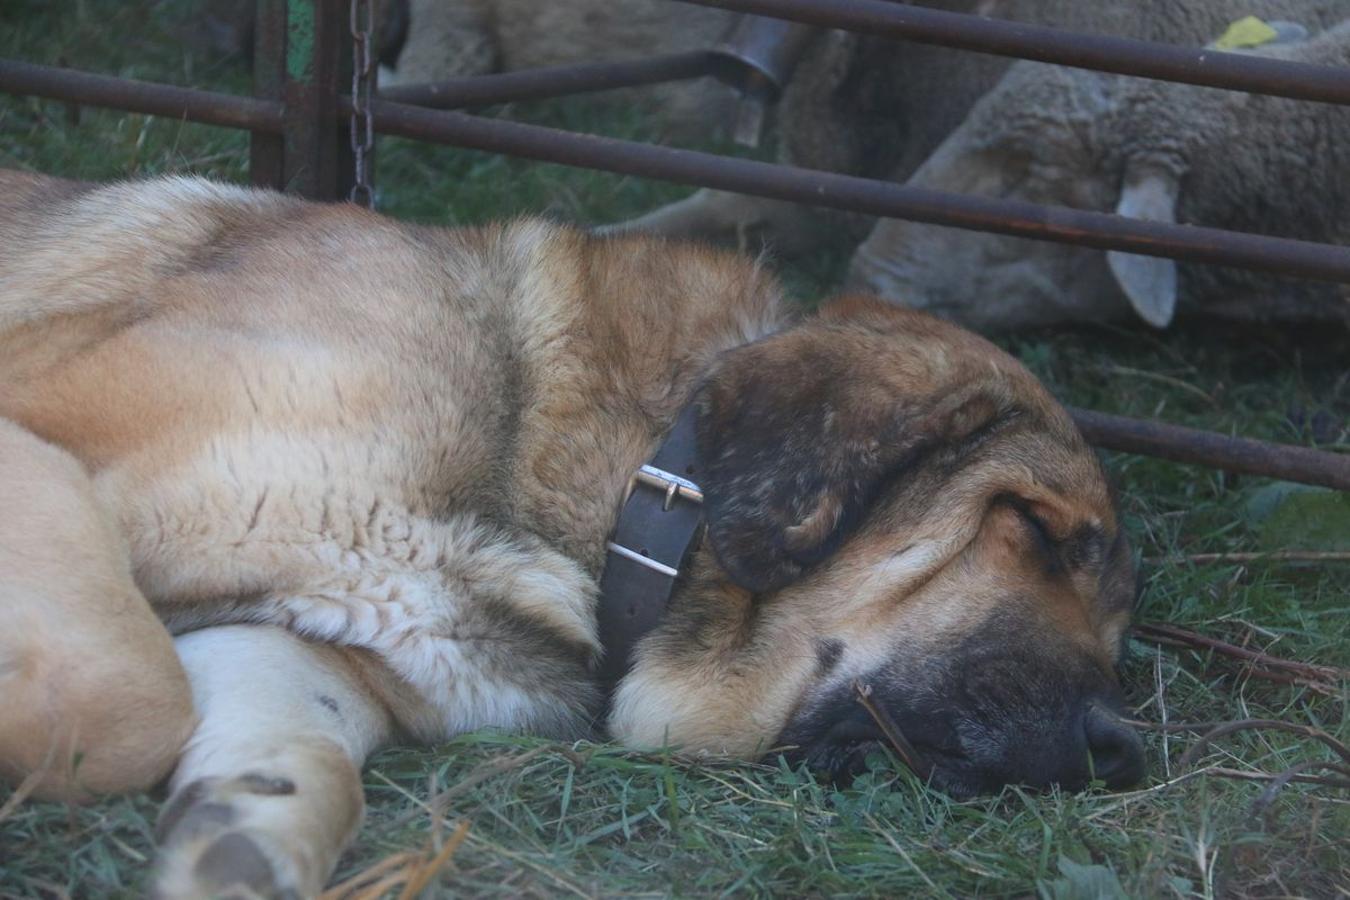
(896, 503)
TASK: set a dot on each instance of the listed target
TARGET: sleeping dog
(284, 483)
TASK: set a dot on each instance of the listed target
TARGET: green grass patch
(594, 820)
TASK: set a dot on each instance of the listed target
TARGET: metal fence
(299, 122)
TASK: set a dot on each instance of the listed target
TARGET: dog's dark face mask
(894, 505)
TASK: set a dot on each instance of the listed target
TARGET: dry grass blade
(904, 750)
(28, 785)
(1163, 379)
(1264, 724)
(383, 886)
(397, 863)
(15, 800)
(423, 876)
(439, 803)
(413, 870)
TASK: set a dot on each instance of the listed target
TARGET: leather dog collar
(658, 529)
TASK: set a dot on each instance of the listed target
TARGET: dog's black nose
(1117, 752)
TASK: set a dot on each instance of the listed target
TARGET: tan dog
(367, 471)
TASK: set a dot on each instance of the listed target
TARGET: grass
(594, 820)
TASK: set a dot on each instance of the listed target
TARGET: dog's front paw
(215, 843)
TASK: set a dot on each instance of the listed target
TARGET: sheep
(878, 108)
(1145, 149)
(449, 38)
(422, 41)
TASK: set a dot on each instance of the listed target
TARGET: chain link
(363, 86)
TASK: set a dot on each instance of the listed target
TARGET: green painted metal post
(266, 157)
(315, 151)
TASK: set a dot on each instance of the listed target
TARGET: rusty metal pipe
(1109, 431)
(554, 81)
(1206, 448)
(1103, 53)
(207, 107)
(1053, 223)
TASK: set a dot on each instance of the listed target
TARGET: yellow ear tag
(1244, 33)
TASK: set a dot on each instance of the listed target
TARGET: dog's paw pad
(234, 865)
(211, 846)
(231, 864)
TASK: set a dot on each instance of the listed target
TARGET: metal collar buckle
(671, 484)
(675, 488)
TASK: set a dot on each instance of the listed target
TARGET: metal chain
(363, 86)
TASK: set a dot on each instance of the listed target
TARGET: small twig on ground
(1171, 727)
(1228, 728)
(1267, 556)
(904, 750)
(1244, 775)
(1319, 678)
(1295, 773)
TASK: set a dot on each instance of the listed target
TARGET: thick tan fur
(365, 471)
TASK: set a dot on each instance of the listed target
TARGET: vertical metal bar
(266, 151)
(342, 83)
(312, 156)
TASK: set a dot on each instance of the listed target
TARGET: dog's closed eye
(1047, 546)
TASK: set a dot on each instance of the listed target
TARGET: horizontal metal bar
(1109, 431)
(1052, 223)
(554, 81)
(1104, 53)
(1071, 226)
(1232, 454)
(86, 88)
(1195, 244)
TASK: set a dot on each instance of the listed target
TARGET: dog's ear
(799, 434)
